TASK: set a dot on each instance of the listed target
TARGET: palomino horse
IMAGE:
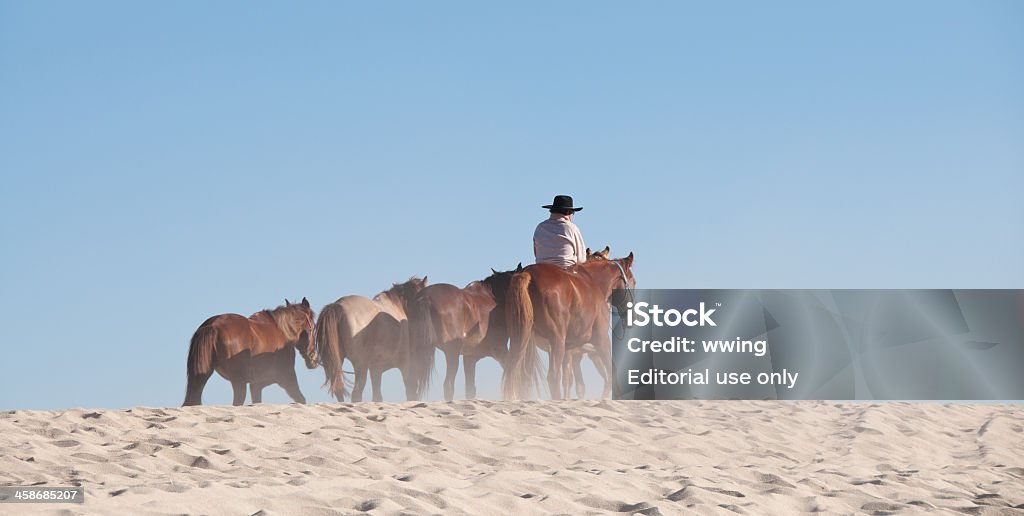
(258, 351)
(374, 335)
(469, 321)
(560, 310)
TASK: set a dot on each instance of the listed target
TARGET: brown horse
(560, 310)
(466, 321)
(256, 351)
(374, 335)
(576, 354)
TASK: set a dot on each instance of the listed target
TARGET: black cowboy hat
(562, 202)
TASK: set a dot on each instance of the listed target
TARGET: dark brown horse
(466, 321)
(256, 351)
(374, 335)
(560, 310)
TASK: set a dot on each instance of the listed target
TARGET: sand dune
(486, 457)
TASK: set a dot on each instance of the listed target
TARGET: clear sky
(164, 162)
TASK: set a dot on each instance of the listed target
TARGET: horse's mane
(411, 279)
(262, 314)
(279, 313)
(395, 292)
(423, 351)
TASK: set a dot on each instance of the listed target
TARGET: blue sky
(165, 162)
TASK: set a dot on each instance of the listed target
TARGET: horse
(257, 351)
(373, 334)
(469, 321)
(576, 354)
(560, 310)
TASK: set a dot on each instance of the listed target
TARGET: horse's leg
(497, 348)
(239, 387)
(556, 362)
(375, 376)
(567, 377)
(290, 384)
(194, 391)
(256, 391)
(360, 385)
(410, 387)
(604, 366)
(602, 356)
(567, 360)
(577, 373)
(470, 376)
(451, 357)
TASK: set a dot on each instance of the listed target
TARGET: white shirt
(558, 241)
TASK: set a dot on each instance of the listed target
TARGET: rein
(625, 281)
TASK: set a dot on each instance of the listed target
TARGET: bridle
(625, 286)
(625, 281)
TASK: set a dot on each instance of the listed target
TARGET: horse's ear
(424, 282)
(286, 303)
(305, 302)
(519, 268)
(629, 259)
(588, 252)
(607, 250)
(493, 271)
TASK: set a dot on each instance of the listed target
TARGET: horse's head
(600, 255)
(627, 282)
(621, 273)
(407, 291)
(300, 323)
(627, 266)
(498, 282)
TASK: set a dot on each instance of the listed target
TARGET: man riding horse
(557, 240)
(560, 305)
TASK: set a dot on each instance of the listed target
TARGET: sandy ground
(484, 457)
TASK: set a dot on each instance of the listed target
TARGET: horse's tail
(199, 365)
(421, 344)
(330, 345)
(201, 351)
(519, 379)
